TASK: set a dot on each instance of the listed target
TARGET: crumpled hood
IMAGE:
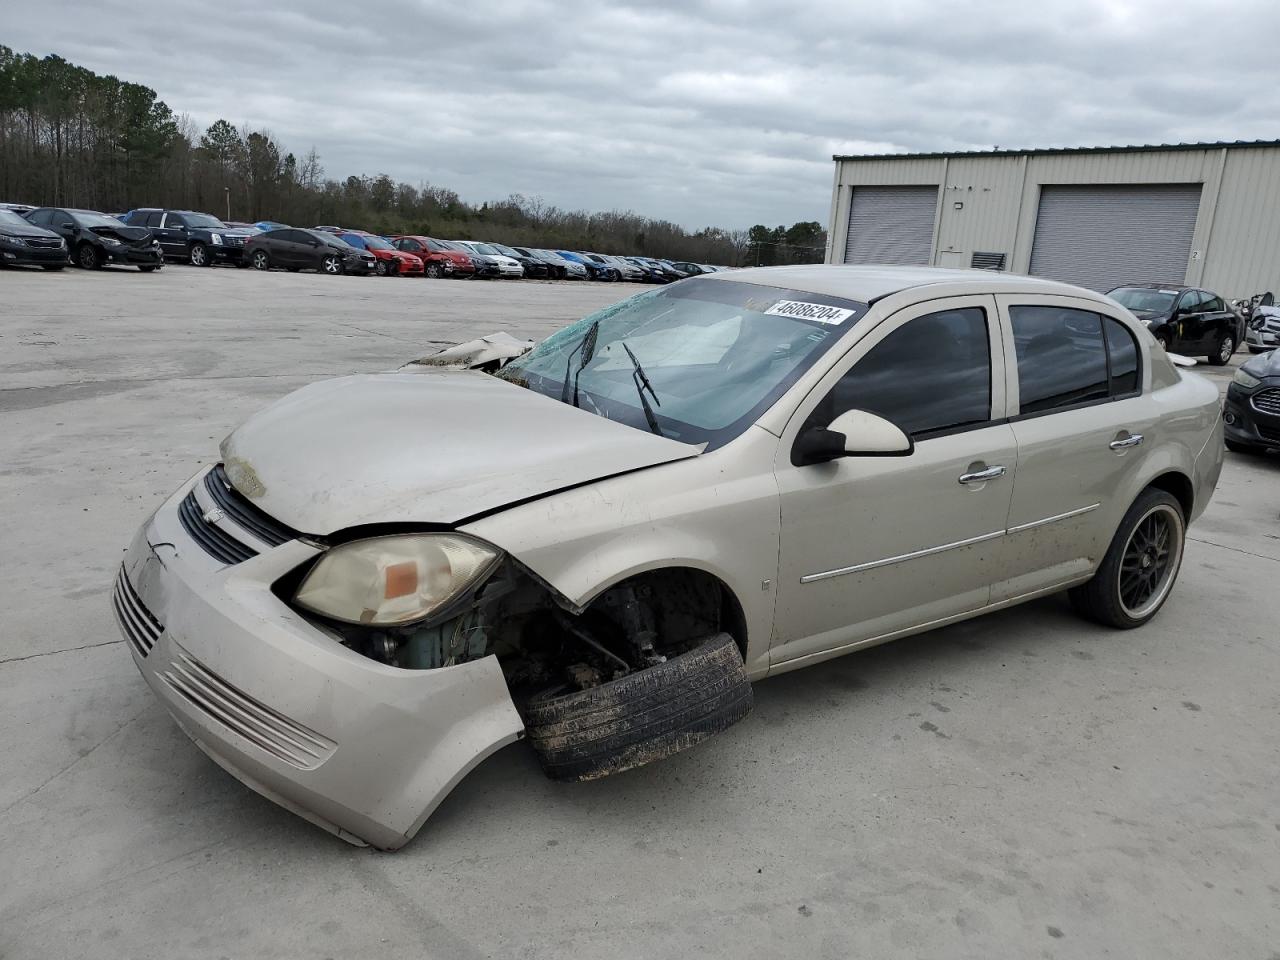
(429, 447)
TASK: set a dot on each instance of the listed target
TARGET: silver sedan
(602, 542)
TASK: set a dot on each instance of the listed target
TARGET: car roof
(1154, 285)
(867, 283)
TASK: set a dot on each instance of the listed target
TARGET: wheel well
(687, 594)
(1178, 485)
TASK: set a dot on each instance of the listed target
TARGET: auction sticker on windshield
(803, 310)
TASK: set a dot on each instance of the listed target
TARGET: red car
(390, 262)
(438, 252)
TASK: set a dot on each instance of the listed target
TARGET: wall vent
(987, 261)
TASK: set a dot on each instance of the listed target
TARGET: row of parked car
(147, 237)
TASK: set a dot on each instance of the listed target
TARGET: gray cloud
(704, 112)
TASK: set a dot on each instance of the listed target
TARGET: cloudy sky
(704, 112)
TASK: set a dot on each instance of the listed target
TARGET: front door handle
(1130, 441)
(981, 476)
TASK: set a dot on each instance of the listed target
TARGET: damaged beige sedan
(599, 544)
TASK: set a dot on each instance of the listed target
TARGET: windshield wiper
(642, 383)
(588, 347)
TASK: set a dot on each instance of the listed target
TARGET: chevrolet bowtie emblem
(213, 516)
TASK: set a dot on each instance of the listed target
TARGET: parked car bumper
(357, 747)
(511, 271)
(138, 256)
(1244, 422)
(1262, 339)
(21, 254)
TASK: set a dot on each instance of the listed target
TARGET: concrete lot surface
(1022, 785)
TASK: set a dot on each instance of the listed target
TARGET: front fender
(717, 513)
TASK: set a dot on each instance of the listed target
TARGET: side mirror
(855, 433)
(66, 225)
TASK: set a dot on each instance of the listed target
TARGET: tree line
(71, 137)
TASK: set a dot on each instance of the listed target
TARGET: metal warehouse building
(1203, 214)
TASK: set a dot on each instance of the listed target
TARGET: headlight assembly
(400, 579)
(111, 241)
(216, 239)
(1245, 380)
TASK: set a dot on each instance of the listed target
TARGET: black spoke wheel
(1139, 569)
(87, 257)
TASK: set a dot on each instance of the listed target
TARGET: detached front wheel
(641, 717)
(1136, 575)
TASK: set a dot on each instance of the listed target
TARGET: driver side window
(932, 374)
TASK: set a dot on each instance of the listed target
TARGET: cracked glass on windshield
(713, 355)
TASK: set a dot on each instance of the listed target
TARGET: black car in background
(1184, 319)
(1251, 412)
(95, 239)
(534, 268)
(200, 239)
(22, 243)
(296, 249)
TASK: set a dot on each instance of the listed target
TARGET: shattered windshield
(712, 356)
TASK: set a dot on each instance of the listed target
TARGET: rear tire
(199, 255)
(641, 717)
(1140, 567)
(1225, 348)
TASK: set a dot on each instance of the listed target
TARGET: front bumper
(1262, 339)
(21, 254)
(226, 252)
(362, 749)
(1244, 423)
(144, 256)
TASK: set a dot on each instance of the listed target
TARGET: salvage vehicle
(296, 249)
(1263, 329)
(1251, 410)
(199, 239)
(534, 268)
(439, 259)
(22, 243)
(595, 269)
(1183, 319)
(388, 260)
(600, 544)
(492, 263)
(95, 239)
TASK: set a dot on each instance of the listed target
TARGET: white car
(601, 545)
(507, 266)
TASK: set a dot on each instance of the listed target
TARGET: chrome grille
(216, 542)
(268, 729)
(236, 506)
(1267, 401)
(234, 241)
(138, 624)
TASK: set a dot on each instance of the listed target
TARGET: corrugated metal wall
(1235, 247)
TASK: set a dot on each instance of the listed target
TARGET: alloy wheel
(198, 255)
(260, 261)
(1227, 348)
(89, 257)
(1150, 560)
(332, 266)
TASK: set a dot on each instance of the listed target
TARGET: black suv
(95, 239)
(200, 239)
(1184, 319)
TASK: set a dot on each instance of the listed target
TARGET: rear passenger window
(1064, 358)
(1122, 357)
(931, 374)
(152, 219)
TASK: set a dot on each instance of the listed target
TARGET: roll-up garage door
(1102, 236)
(891, 225)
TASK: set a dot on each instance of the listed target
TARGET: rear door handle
(981, 476)
(1130, 441)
